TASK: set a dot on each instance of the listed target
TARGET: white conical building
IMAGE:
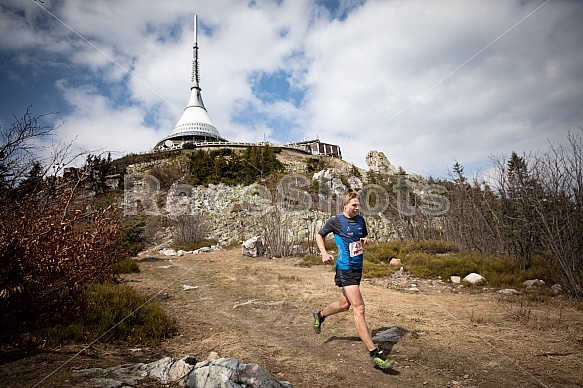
(195, 125)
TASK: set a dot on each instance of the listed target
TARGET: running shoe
(317, 322)
(378, 358)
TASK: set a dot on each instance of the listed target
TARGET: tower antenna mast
(195, 68)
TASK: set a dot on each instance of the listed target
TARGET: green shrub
(385, 251)
(131, 234)
(233, 168)
(310, 260)
(431, 266)
(194, 245)
(376, 269)
(433, 259)
(432, 246)
(116, 313)
(315, 165)
(126, 265)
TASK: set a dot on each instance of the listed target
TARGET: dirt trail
(259, 311)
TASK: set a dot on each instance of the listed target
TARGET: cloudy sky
(428, 83)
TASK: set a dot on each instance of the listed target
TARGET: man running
(350, 234)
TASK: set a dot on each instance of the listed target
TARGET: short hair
(348, 195)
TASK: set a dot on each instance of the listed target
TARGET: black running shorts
(349, 277)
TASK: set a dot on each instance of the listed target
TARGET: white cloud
(98, 127)
(395, 76)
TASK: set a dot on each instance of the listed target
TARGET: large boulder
(254, 247)
(378, 162)
(475, 278)
(231, 373)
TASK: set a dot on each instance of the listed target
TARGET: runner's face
(351, 208)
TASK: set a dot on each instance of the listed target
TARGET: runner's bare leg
(354, 296)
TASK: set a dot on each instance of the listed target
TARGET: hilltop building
(316, 147)
(195, 125)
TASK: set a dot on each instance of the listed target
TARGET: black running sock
(320, 317)
(373, 352)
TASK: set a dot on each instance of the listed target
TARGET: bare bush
(189, 228)
(531, 205)
(557, 210)
(18, 148)
(51, 245)
(168, 172)
(154, 230)
(278, 233)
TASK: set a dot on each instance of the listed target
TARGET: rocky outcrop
(237, 213)
(186, 372)
(378, 162)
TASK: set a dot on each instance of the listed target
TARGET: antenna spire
(195, 69)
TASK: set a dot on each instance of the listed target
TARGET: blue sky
(428, 83)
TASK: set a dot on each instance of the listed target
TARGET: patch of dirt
(260, 311)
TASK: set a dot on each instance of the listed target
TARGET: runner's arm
(365, 240)
(331, 226)
(326, 257)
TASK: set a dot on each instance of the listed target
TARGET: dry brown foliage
(48, 255)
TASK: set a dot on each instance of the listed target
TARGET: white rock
(456, 279)
(508, 291)
(186, 287)
(533, 283)
(395, 261)
(326, 174)
(474, 278)
(253, 247)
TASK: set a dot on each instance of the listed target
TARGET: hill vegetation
(233, 168)
(58, 249)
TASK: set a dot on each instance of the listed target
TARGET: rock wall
(237, 213)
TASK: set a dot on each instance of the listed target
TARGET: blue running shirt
(347, 235)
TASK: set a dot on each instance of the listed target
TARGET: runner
(350, 234)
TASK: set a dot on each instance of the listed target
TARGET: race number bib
(355, 248)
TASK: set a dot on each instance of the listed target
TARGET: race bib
(355, 248)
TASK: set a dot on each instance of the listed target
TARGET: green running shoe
(379, 359)
(317, 322)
